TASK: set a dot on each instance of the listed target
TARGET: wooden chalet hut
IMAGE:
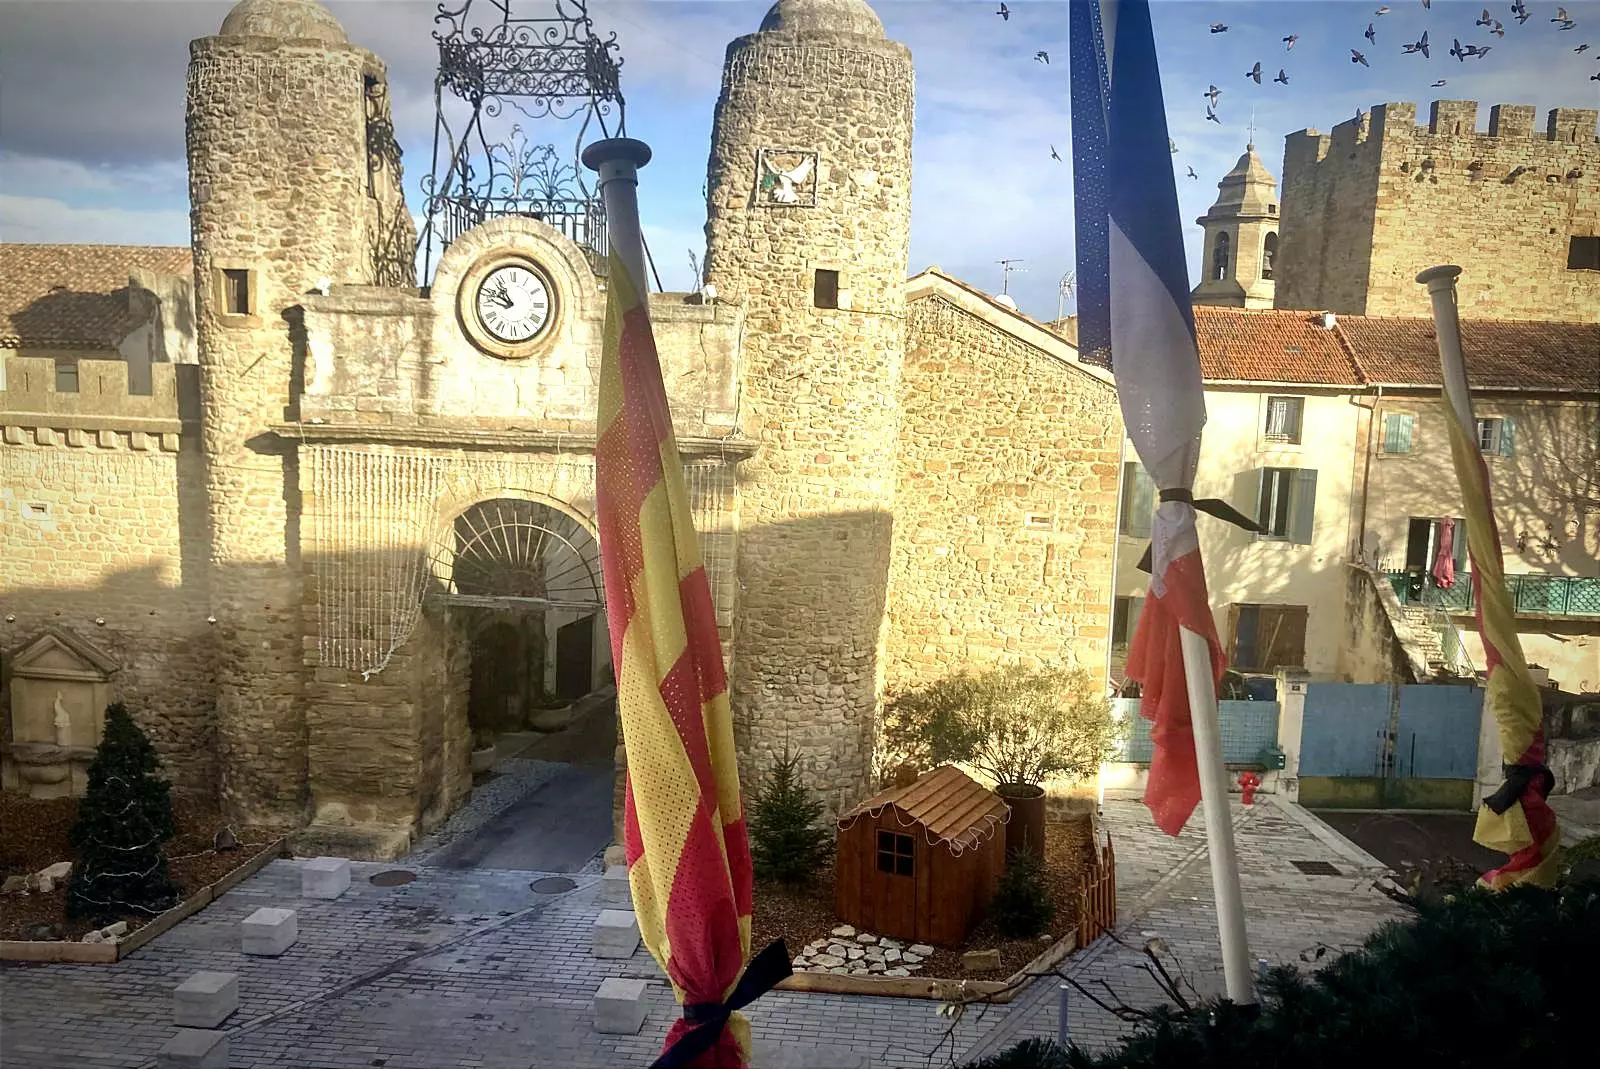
(920, 862)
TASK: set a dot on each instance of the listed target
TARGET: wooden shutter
(1138, 500)
(1303, 506)
(1397, 427)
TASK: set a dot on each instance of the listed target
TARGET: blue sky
(91, 118)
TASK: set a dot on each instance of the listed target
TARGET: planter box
(996, 992)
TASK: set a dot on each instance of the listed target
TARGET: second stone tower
(808, 225)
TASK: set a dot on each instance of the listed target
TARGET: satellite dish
(1005, 301)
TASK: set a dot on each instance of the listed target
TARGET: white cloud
(44, 219)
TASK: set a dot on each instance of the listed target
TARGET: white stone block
(194, 1048)
(619, 1007)
(325, 877)
(614, 890)
(268, 932)
(615, 934)
(205, 1000)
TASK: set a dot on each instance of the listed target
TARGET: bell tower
(808, 226)
(1241, 246)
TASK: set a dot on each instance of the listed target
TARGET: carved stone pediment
(60, 685)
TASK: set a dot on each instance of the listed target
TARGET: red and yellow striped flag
(1516, 819)
(687, 850)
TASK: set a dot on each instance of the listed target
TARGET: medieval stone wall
(1370, 207)
(278, 188)
(102, 519)
(819, 384)
(1006, 503)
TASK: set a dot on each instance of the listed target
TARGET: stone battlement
(1454, 119)
(103, 400)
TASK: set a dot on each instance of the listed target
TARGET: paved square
(473, 968)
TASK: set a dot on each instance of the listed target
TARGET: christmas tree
(123, 820)
(786, 842)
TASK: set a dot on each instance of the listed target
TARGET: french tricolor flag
(1135, 316)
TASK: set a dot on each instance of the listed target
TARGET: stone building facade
(288, 559)
(1380, 198)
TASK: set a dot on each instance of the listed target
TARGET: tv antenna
(1006, 267)
(1069, 282)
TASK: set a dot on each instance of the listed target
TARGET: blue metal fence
(1248, 728)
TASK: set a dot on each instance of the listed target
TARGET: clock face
(513, 303)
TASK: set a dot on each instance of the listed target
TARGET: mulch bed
(33, 834)
(800, 915)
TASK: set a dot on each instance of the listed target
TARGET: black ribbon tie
(766, 970)
(1211, 506)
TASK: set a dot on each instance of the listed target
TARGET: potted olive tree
(1018, 726)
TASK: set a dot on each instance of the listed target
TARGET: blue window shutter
(1303, 506)
(1507, 436)
(1397, 428)
(1138, 500)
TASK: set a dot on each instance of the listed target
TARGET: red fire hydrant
(1248, 782)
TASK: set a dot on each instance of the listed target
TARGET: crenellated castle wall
(1370, 204)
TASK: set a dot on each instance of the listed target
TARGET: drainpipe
(1369, 448)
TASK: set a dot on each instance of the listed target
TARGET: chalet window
(895, 853)
(1495, 436)
(1269, 255)
(1138, 500)
(1286, 504)
(825, 290)
(236, 291)
(1397, 430)
(66, 378)
(1284, 416)
(1268, 637)
(1219, 258)
(1583, 254)
(1124, 620)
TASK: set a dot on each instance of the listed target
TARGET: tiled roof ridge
(1347, 346)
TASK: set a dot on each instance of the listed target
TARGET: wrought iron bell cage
(496, 72)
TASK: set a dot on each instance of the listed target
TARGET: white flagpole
(1219, 821)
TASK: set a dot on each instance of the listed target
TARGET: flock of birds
(1460, 52)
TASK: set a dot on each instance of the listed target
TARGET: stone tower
(1380, 198)
(282, 195)
(1241, 246)
(808, 225)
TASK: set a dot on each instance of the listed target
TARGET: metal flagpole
(1218, 818)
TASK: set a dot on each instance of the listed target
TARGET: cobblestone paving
(475, 969)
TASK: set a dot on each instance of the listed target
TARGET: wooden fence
(1097, 894)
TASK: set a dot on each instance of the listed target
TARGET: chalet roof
(75, 296)
(1277, 345)
(953, 807)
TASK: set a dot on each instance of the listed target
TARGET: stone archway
(520, 576)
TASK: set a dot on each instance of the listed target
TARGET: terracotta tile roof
(1504, 354)
(74, 296)
(1271, 345)
(951, 805)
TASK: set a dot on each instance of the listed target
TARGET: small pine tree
(787, 842)
(1021, 907)
(123, 819)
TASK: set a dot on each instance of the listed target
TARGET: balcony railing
(1549, 595)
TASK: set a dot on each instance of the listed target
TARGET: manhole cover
(392, 878)
(552, 885)
(1316, 868)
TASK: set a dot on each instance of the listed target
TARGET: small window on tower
(825, 292)
(1583, 254)
(236, 291)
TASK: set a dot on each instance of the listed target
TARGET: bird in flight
(1427, 3)
(1520, 10)
(1357, 57)
(1212, 93)
(1004, 12)
(1457, 51)
(1282, 77)
(1478, 50)
(1594, 77)
(1173, 145)
(1484, 19)
(1498, 29)
(1561, 17)
(1211, 116)
(1382, 11)
(1372, 33)
(1219, 27)
(1288, 42)
(1192, 174)
(1254, 72)
(1581, 48)
(1420, 46)
(1054, 155)
(1042, 56)
(1440, 84)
